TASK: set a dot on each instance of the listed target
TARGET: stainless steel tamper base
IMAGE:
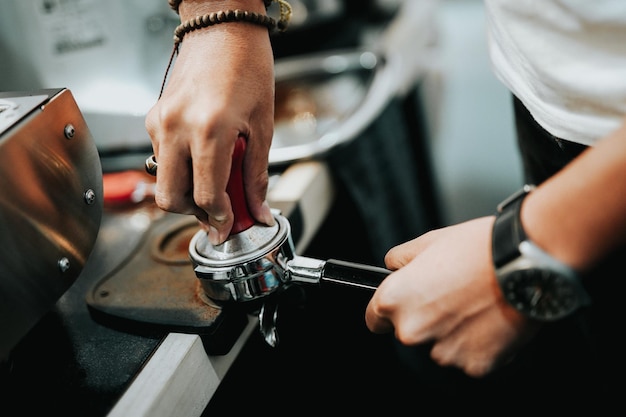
(248, 265)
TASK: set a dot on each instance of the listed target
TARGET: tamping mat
(155, 288)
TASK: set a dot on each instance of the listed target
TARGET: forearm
(239, 42)
(579, 215)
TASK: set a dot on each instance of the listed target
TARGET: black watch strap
(508, 231)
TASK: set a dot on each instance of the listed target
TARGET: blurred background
(474, 149)
(113, 54)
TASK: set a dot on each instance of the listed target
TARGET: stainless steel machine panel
(50, 205)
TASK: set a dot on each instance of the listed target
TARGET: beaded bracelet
(284, 9)
(223, 16)
(175, 4)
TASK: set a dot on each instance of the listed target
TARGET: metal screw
(64, 264)
(90, 196)
(69, 131)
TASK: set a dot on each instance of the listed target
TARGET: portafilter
(257, 260)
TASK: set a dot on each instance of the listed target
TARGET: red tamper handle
(234, 188)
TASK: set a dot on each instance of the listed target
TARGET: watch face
(540, 293)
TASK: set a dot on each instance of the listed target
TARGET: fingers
(193, 169)
(376, 321)
(479, 349)
(396, 306)
(174, 182)
(193, 173)
(383, 309)
(173, 192)
(402, 254)
(256, 178)
(211, 165)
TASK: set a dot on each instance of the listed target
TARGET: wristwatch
(531, 280)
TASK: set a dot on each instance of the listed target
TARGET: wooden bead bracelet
(223, 16)
(175, 4)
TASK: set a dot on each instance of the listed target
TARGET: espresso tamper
(257, 260)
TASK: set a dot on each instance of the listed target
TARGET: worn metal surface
(155, 286)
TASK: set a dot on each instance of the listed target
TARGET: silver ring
(151, 165)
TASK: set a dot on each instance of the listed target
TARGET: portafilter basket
(258, 260)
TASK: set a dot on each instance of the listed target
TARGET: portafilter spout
(257, 260)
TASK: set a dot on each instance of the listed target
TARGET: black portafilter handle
(353, 274)
(328, 274)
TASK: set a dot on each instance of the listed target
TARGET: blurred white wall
(474, 148)
(111, 54)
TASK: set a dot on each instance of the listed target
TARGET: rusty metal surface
(155, 286)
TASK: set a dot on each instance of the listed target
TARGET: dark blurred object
(50, 205)
(330, 24)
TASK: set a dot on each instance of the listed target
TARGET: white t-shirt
(565, 60)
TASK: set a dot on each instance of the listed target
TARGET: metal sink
(325, 100)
